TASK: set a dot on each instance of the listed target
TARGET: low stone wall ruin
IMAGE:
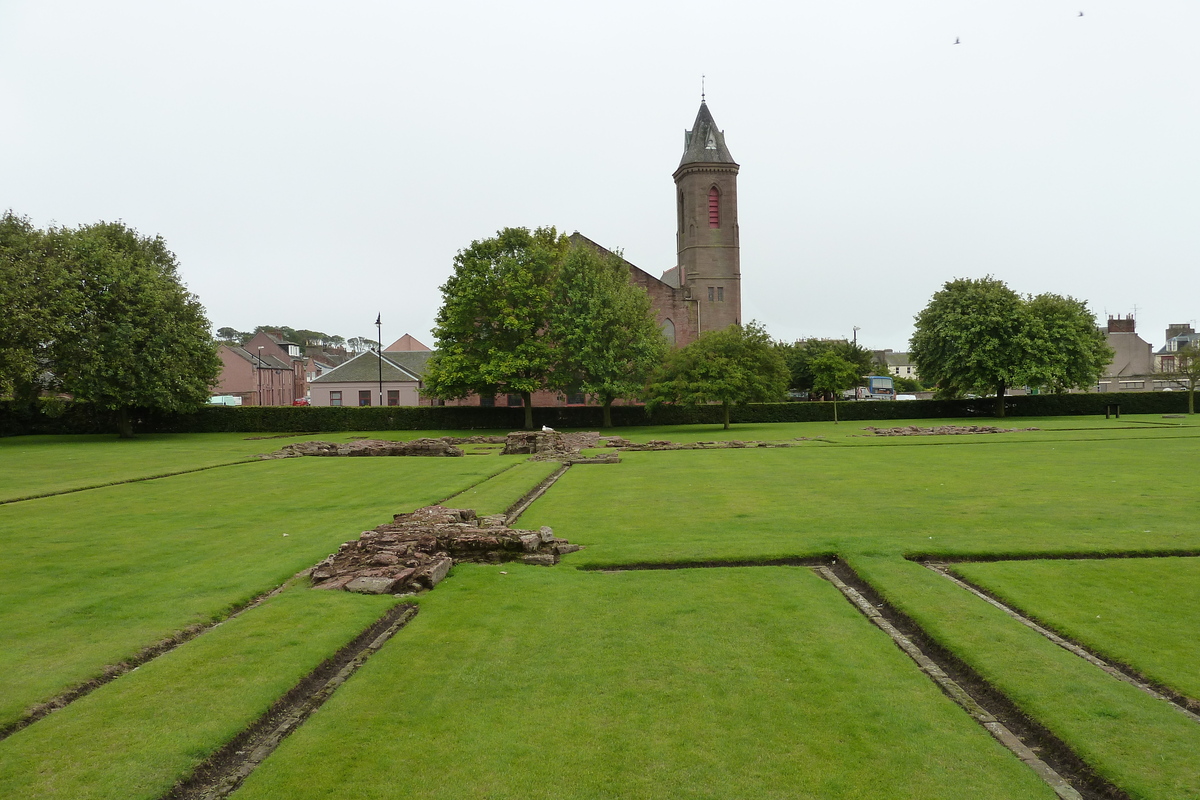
(415, 551)
(943, 430)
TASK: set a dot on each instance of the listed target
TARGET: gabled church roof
(704, 142)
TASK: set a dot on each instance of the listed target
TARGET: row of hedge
(57, 417)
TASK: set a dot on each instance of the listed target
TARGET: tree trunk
(1000, 399)
(124, 424)
(726, 407)
(1192, 397)
(528, 398)
(607, 412)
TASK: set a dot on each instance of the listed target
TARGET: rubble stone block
(540, 559)
(371, 585)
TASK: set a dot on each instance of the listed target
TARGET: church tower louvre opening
(709, 264)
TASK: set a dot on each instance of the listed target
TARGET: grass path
(552, 683)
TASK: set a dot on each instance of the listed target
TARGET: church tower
(709, 267)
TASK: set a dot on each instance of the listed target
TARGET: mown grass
(1143, 612)
(41, 465)
(989, 496)
(727, 683)
(38, 465)
(93, 577)
(497, 494)
(135, 737)
(1142, 745)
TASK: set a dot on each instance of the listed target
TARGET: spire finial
(701, 88)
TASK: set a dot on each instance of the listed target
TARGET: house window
(1168, 364)
(712, 294)
(393, 397)
(488, 401)
(720, 294)
(576, 399)
(515, 400)
(364, 397)
(714, 208)
(335, 398)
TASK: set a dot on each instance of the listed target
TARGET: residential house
(362, 380)
(272, 343)
(1178, 335)
(259, 379)
(1132, 367)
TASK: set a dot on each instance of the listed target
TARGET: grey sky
(314, 163)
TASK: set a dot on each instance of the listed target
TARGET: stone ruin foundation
(943, 430)
(416, 551)
(369, 447)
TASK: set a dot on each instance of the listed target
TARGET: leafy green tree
(233, 335)
(605, 337)
(492, 328)
(800, 355)
(833, 374)
(903, 384)
(736, 365)
(134, 337)
(32, 308)
(974, 336)
(1071, 351)
(981, 336)
(1186, 372)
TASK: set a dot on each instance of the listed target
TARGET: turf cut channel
(1052, 760)
(144, 656)
(1123, 672)
(223, 772)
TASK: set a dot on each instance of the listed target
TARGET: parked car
(301, 401)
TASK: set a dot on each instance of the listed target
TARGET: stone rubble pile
(943, 430)
(551, 445)
(663, 444)
(369, 447)
(415, 551)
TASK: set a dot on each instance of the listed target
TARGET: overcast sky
(312, 164)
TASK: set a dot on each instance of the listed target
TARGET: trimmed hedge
(58, 417)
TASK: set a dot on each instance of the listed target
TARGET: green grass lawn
(92, 577)
(752, 682)
(39, 465)
(1144, 612)
(497, 494)
(135, 737)
(986, 495)
(551, 683)
(1143, 745)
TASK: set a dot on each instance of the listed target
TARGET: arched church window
(668, 331)
(681, 212)
(714, 208)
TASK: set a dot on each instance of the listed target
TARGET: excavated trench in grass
(143, 656)
(223, 772)
(1189, 706)
(169, 643)
(1051, 750)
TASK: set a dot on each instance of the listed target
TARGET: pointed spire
(705, 142)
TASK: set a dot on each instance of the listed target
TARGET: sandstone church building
(703, 291)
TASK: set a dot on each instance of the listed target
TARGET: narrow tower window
(714, 208)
